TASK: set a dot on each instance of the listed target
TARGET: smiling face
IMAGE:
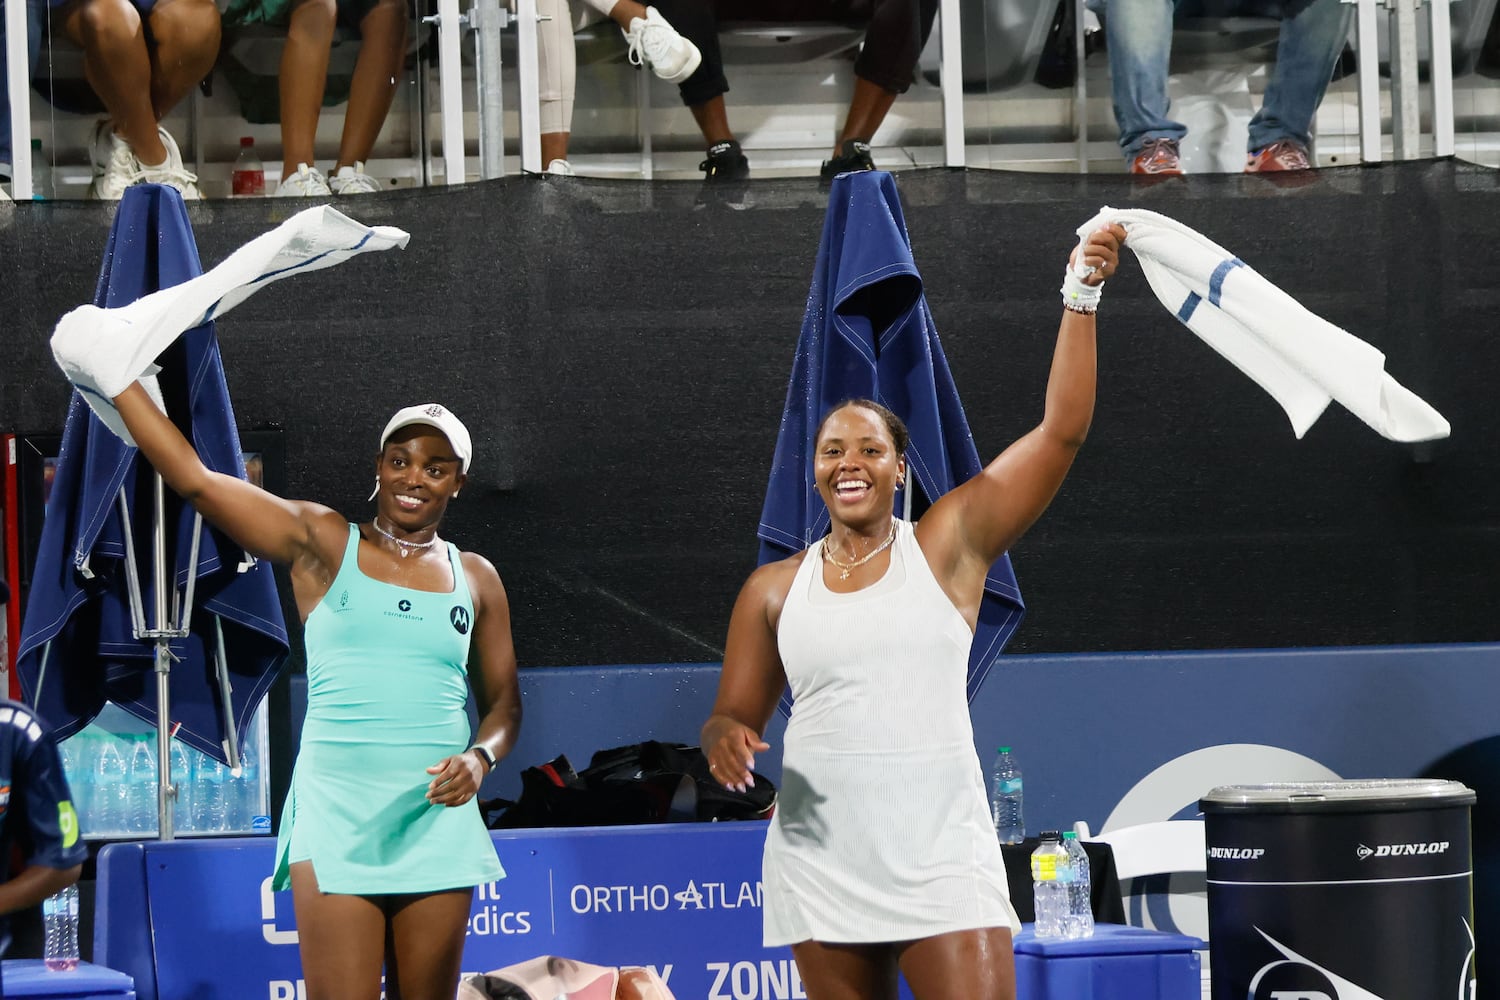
(418, 473)
(856, 466)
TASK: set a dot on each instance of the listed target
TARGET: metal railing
(487, 19)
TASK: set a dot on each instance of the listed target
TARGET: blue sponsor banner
(1143, 738)
(684, 899)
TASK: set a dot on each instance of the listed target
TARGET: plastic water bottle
(245, 800)
(1050, 875)
(109, 791)
(249, 175)
(1079, 922)
(210, 795)
(80, 778)
(140, 813)
(1005, 798)
(60, 915)
(42, 188)
(183, 820)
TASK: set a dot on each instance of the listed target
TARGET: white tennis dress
(882, 831)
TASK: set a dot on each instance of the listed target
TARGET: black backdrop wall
(620, 351)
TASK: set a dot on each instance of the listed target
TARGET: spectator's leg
(557, 72)
(186, 43)
(713, 120)
(886, 65)
(381, 51)
(622, 12)
(703, 92)
(1138, 35)
(1306, 54)
(117, 66)
(303, 77)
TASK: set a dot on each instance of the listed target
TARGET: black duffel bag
(647, 782)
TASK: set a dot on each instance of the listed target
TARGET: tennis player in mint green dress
(381, 840)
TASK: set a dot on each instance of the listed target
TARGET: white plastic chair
(1168, 847)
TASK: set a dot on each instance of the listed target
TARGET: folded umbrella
(89, 634)
(868, 332)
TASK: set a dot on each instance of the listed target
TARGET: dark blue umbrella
(94, 586)
(868, 333)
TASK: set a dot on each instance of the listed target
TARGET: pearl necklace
(846, 568)
(402, 545)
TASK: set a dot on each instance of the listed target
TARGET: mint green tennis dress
(386, 689)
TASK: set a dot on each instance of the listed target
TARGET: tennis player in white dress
(881, 857)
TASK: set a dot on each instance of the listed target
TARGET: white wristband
(1080, 297)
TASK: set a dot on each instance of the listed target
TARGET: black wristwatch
(485, 755)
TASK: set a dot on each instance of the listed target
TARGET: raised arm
(268, 527)
(969, 528)
(752, 679)
(497, 690)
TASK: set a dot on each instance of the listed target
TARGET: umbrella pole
(165, 792)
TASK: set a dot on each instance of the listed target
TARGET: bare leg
(846, 971)
(381, 52)
(340, 938)
(427, 944)
(187, 43)
(554, 147)
(963, 965)
(625, 11)
(303, 77)
(867, 109)
(713, 120)
(118, 67)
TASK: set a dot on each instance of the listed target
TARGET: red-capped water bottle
(249, 174)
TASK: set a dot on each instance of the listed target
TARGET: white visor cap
(440, 417)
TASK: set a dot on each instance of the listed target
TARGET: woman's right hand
(731, 747)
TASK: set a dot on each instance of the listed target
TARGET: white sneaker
(353, 180)
(307, 182)
(560, 168)
(172, 172)
(114, 163)
(653, 40)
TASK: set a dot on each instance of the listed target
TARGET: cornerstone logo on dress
(403, 610)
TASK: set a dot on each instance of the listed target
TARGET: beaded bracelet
(1079, 297)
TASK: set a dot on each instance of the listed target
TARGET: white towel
(102, 351)
(1301, 359)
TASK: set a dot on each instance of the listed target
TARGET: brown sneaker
(1158, 157)
(1279, 157)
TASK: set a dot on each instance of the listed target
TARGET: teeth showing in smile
(407, 501)
(851, 486)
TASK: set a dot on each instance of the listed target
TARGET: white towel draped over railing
(102, 351)
(1301, 359)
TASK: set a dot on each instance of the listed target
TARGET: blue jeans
(36, 16)
(1138, 34)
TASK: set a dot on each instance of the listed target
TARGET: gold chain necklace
(845, 568)
(402, 545)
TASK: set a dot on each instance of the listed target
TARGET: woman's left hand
(455, 779)
(1101, 252)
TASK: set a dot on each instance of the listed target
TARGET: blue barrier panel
(1148, 735)
(684, 899)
